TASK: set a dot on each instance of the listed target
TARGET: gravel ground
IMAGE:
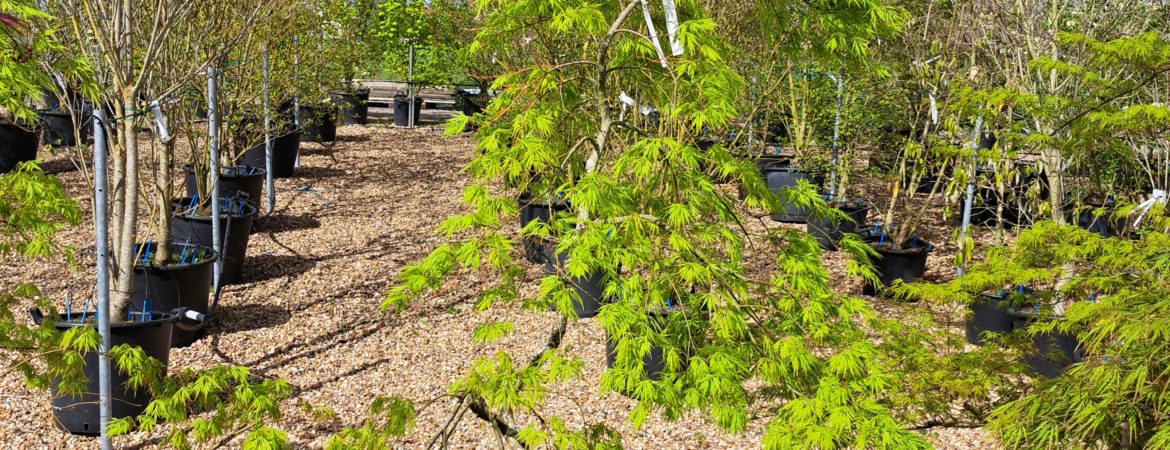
(306, 311)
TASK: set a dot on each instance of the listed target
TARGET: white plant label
(160, 121)
(653, 34)
(676, 48)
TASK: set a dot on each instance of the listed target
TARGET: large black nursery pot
(1013, 201)
(653, 362)
(590, 288)
(535, 210)
(17, 145)
(318, 123)
(285, 150)
(235, 227)
(907, 264)
(988, 313)
(1087, 219)
(828, 233)
(59, 129)
(761, 162)
(469, 102)
(245, 182)
(1054, 351)
(402, 110)
(183, 283)
(80, 414)
(778, 177)
(354, 105)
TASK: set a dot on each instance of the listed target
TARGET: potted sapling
(848, 211)
(808, 162)
(901, 253)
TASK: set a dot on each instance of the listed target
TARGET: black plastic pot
(235, 225)
(590, 288)
(318, 123)
(402, 112)
(354, 106)
(1014, 199)
(58, 129)
(533, 210)
(828, 233)
(17, 145)
(246, 182)
(779, 177)
(908, 264)
(653, 361)
(1053, 351)
(761, 162)
(468, 102)
(1088, 220)
(80, 414)
(285, 151)
(988, 314)
(179, 285)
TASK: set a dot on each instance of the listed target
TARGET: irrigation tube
(102, 232)
(213, 155)
(270, 189)
(970, 194)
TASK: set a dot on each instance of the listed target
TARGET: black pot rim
(916, 246)
(167, 317)
(251, 210)
(212, 257)
(1031, 315)
(782, 166)
(32, 127)
(49, 112)
(852, 205)
(259, 171)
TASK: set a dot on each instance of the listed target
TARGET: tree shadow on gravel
(285, 222)
(308, 347)
(266, 267)
(353, 138)
(319, 149)
(240, 318)
(319, 172)
(298, 390)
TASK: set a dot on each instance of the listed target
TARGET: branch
(481, 410)
(553, 342)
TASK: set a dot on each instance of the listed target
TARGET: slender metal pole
(269, 185)
(840, 78)
(213, 155)
(970, 194)
(296, 98)
(102, 232)
(410, 87)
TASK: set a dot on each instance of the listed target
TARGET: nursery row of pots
(170, 299)
(173, 301)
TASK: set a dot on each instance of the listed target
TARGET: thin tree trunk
(124, 248)
(164, 187)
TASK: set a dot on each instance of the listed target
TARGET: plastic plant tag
(160, 122)
(676, 48)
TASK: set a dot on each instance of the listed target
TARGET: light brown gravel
(306, 311)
